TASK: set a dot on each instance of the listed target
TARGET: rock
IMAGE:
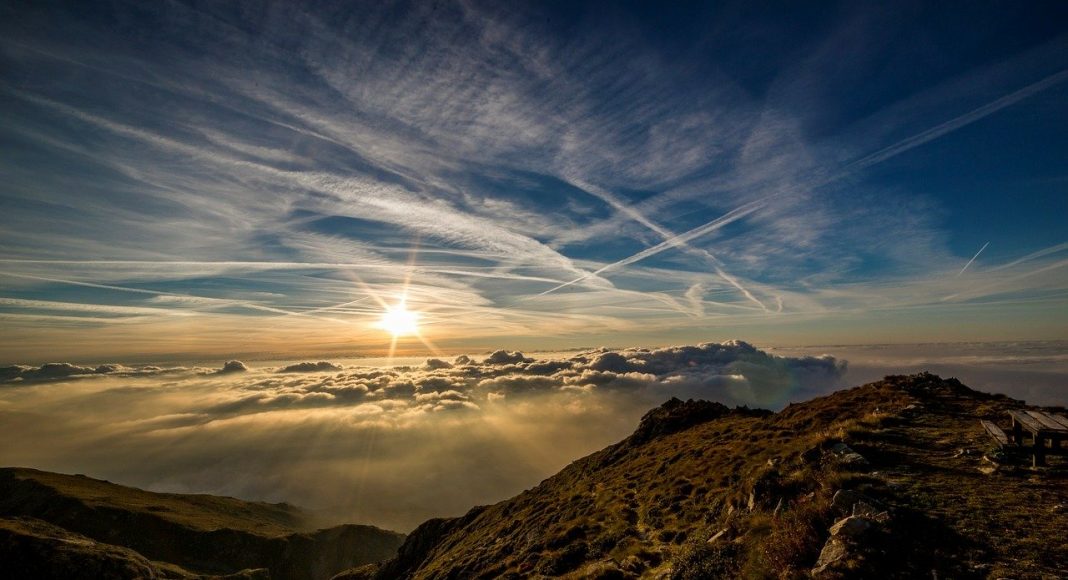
(846, 456)
(1057, 509)
(852, 526)
(845, 544)
(844, 501)
(834, 551)
(911, 411)
(866, 510)
(751, 505)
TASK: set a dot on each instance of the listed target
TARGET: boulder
(844, 499)
(833, 552)
(852, 527)
(847, 457)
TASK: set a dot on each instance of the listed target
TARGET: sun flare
(399, 321)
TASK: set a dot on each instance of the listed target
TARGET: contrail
(957, 122)
(1034, 255)
(617, 204)
(673, 242)
(866, 161)
(980, 292)
(973, 259)
(216, 302)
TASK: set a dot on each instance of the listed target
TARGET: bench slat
(1047, 421)
(1060, 419)
(996, 432)
(1026, 420)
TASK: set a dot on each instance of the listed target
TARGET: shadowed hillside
(74, 526)
(892, 479)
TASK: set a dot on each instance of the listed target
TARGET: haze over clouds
(1035, 371)
(385, 445)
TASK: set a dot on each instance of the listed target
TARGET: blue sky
(215, 179)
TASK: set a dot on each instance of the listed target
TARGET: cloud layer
(388, 445)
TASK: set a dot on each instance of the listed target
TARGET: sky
(206, 180)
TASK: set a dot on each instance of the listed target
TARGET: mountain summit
(892, 479)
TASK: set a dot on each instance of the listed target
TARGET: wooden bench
(1043, 428)
(1060, 419)
(999, 436)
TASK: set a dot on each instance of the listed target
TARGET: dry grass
(647, 508)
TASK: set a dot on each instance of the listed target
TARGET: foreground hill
(72, 526)
(891, 479)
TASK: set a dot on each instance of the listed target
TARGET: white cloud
(372, 437)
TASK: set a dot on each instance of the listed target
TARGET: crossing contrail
(866, 161)
(973, 259)
(673, 242)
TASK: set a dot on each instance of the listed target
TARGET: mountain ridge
(182, 535)
(702, 491)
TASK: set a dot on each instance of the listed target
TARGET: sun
(399, 321)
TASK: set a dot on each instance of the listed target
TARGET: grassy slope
(31, 548)
(197, 512)
(200, 533)
(647, 508)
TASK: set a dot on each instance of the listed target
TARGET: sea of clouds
(390, 446)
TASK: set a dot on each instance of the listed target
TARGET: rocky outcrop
(674, 416)
(847, 457)
(851, 537)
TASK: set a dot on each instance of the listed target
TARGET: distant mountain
(72, 526)
(895, 479)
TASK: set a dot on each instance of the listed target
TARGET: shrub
(797, 538)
